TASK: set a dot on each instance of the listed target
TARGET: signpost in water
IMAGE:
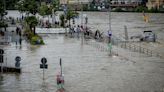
(44, 65)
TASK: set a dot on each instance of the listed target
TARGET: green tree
(2, 14)
(31, 22)
(70, 15)
(2, 10)
(55, 4)
(49, 9)
(11, 4)
(45, 9)
(31, 6)
(20, 6)
(28, 6)
(62, 20)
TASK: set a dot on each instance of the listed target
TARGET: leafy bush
(141, 9)
(35, 40)
(28, 34)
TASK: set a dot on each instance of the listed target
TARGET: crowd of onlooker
(47, 24)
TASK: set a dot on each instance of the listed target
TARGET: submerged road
(86, 68)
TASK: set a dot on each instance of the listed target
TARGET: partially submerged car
(148, 36)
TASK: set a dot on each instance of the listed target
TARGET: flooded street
(85, 67)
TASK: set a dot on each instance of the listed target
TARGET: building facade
(154, 3)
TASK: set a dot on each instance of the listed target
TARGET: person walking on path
(78, 31)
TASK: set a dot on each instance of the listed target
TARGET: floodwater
(86, 68)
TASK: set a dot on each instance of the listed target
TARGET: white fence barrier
(51, 30)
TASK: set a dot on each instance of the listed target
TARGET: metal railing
(124, 44)
(140, 49)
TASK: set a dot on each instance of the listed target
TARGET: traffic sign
(43, 60)
(1, 51)
(17, 58)
(109, 33)
(45, 66)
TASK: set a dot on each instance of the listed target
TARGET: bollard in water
(17, 63)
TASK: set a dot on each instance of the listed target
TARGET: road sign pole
(43, 66)
(43, 73)
(61, 65)
(43, 70)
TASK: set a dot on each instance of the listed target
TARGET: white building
(75, 1)
(126, 1)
